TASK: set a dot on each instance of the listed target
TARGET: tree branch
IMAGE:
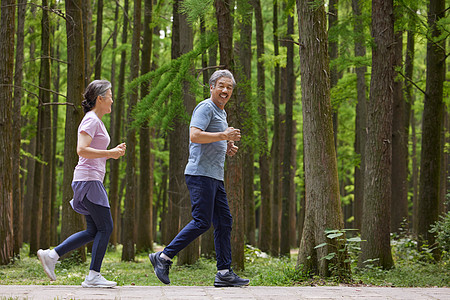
(413, 83)
(199, 71)
(45, 89)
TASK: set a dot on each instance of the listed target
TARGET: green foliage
(195, 9)
(165, 102)
(442, 231)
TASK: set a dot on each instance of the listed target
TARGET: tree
(288, 164)
(129, 214)
(190, 254)
(116, 134)
(322, 209)
(145, 219)
(377, 184)
(7, 27)
(72, 221)
(361, 114)
(98, 41)
(432, 126)
(44, 95)
(16, 132)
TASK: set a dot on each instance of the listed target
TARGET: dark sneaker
(229, 279)
(161, 266)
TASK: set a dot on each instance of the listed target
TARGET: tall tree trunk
(399, 176)
(264, 155)
(430, 161)
(98, 41)
(288, 140)
(333, 52)
(17, 123)
(243, 96)
(72, 221)
(376, 211)
(129, 214)
(269, 227)
(87, 24)
(233, 176)
(116, 134)
(176, 192)
(190, 254)
(7, 28)
(361, 115)
(323, 209)
(45, 81)
(55, 186)
(144, 240)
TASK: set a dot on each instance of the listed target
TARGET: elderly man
(210, 140)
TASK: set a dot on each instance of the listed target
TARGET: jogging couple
(210, 141)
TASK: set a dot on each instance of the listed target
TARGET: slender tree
(44, 95)
(377, 191)
(128, 251)
(7, 28)
(17, 123)
(322, 210)
(116, 133)
(87, 31)
(430, 160)
(144, 229)
(361, 114)
(72, 221)
(98, 41)
(190, 254)
(288, 140)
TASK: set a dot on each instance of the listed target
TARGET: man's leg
(222, 221)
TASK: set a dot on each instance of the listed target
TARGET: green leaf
(321, 245)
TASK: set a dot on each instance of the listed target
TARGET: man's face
(221, 92)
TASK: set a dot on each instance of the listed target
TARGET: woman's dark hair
(94, 89)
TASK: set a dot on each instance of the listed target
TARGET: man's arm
(202, 137)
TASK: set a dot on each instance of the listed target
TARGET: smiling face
(105, 102)
(221, 92)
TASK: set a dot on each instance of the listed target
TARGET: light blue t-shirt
(208, 159)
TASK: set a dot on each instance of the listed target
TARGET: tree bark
(361, 115)
(430, 161)
(16, 132)
(7, 28)
(87, 28)
(98, 41)
(288, 140)
(72, 221)
(400, 128)
(128, 251)
(116, 135)
(191, 253)
(377, 191)
(144, 240)
(45, 82)
(323, 209)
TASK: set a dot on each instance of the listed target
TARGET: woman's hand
(118, 151)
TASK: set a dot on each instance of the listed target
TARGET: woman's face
(106, 102)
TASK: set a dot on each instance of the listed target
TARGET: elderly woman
(90, 197)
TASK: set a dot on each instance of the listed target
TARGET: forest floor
(204, 292)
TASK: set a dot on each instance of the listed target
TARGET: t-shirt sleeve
(89, 125)
(201, 117)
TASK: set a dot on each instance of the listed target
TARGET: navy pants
(99, 228)
(209, 205)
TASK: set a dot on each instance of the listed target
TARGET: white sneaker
(98, 281)
(47, 263)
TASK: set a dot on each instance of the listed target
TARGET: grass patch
(262, 270)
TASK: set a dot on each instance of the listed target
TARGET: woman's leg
(78, 239)
(102, 218)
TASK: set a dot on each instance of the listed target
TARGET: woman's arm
(84, 149)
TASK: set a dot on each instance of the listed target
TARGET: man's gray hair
(221, 73)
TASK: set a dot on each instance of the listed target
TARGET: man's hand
(232, 134)
(231, 148)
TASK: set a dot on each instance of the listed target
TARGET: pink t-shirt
(95, 168)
